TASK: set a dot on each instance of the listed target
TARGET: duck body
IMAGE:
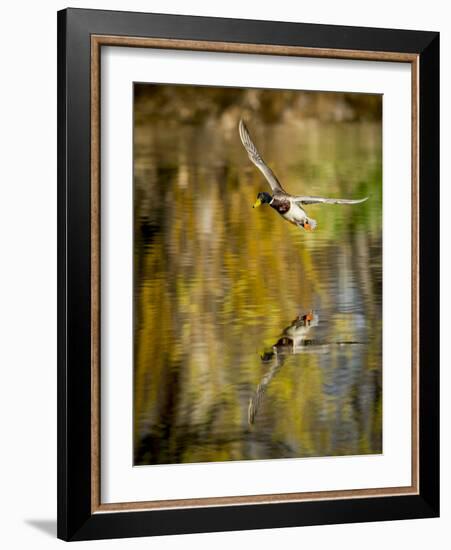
(292, 212)
(288, 208)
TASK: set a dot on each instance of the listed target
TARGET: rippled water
(226, 367)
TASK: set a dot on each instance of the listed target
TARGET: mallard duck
(288, 206)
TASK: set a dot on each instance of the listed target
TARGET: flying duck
(288, 206)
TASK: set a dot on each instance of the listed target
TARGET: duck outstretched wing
(324, 200)
(256, 158)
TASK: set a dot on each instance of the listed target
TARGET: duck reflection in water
(293, 341)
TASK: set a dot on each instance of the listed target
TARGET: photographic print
(257, 274)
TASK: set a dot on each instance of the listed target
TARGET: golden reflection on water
(218, 284)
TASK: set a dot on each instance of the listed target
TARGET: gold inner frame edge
(97, 41)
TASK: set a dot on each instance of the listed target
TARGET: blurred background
(217, 285)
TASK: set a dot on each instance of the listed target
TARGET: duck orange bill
(257, 203)
(308, 227)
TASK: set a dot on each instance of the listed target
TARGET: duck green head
(262, 198)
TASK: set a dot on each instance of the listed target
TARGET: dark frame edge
(62, 496)
(429, 274)
(260, 516)
(248, 30)
(73, 382)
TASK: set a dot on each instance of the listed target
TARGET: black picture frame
(76, 520)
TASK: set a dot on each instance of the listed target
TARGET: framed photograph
(248, 274)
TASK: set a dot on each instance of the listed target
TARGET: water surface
(222, 370)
